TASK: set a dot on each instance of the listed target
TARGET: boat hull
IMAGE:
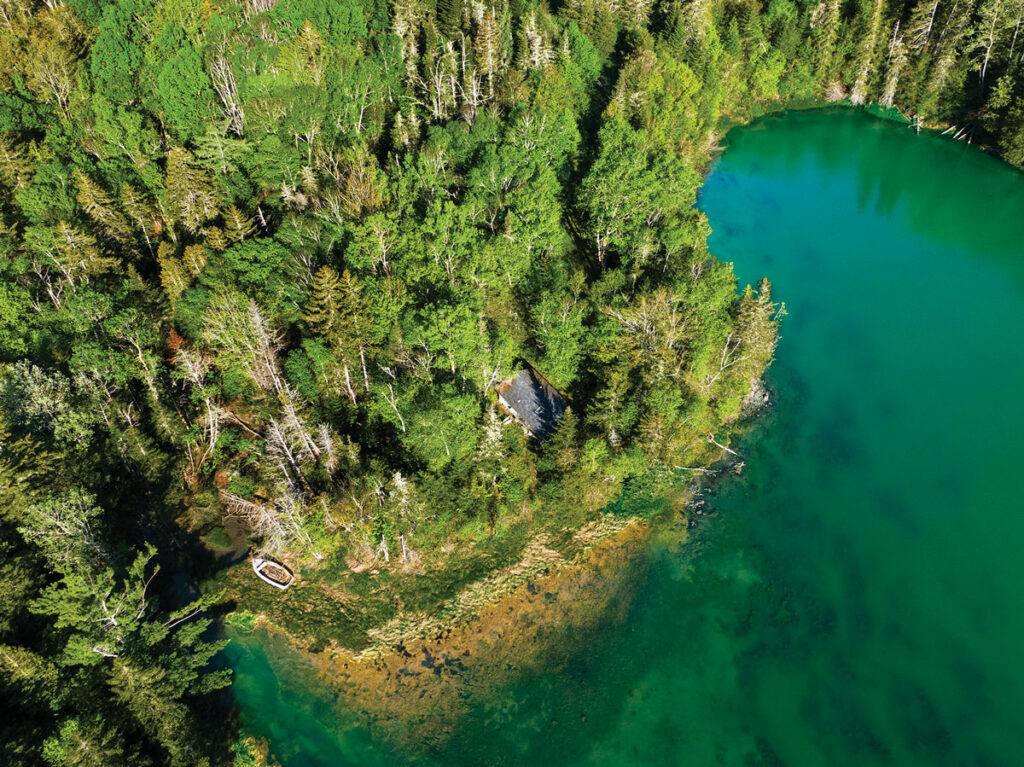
(274, 573)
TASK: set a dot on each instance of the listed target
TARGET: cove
(856, 596)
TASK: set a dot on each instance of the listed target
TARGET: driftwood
(716, 443)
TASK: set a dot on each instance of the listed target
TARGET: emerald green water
(858, 596)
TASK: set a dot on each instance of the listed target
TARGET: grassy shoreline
(382, 630)
(421, 678)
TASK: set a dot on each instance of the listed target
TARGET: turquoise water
(857, 595)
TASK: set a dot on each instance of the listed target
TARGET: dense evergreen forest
(268, 260)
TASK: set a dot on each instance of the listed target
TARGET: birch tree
(223, 78)
(991, 24)
(242, 336)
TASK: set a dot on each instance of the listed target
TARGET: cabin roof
(533, 402)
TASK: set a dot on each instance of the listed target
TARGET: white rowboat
(274, 573)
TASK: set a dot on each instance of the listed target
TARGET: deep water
(857, 595)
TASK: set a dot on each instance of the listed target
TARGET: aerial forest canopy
(269, 260)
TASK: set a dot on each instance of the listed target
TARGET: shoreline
(420, 689)
(415, 687)
(539, 563)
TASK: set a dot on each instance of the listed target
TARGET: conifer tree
(141, 213)
(194, 259)
(98, 205)
(76, 256)
(955, 29)
(536, 50)
(487, 47)
(237, 225)
(583, 12)
(218, 152)
(895, 65)
(825, 23)
(216, 239)
(992, 22)
(449, 17)
(922, 23)
(173, 275)
(757, 324)
(323, 310)
(189, 193)
(866, 54)
(54, 51)
(15, 167)
(561, 449)
(1012, 129)
(606, 29)
(85, 742)
(353, 332)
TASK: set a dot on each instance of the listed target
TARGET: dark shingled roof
(534, 402)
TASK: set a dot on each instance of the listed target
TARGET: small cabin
(532, 402)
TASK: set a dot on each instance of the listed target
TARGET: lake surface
(857, 596)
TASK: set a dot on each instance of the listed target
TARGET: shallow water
(858, 599)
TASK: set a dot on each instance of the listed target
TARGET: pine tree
(1017, 22)
(487, 47)
(561, 449)
(897, 62)
(237, 225)
(77, 255)
(323, 310)
(141, 212)
(757, 327)
(146, 692)
(54, 51)
(636, 13)
(194, 259)
(64, 529)
(606, 30)
(921, 24)
(173, 275)
(946, 49)
(449, 17)
(216, 239)
(991, 24)
(190, 194)
(1011, 140)
(825, 23)
(98, 205)
(583, 12)
(15, 167)
(680, 28)
(353, 333)
(405, 23)
(536, 49)
(732, 42)
(610, 410)
(85, 742)
(218, 152)
(866, 54)
(29, 675)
